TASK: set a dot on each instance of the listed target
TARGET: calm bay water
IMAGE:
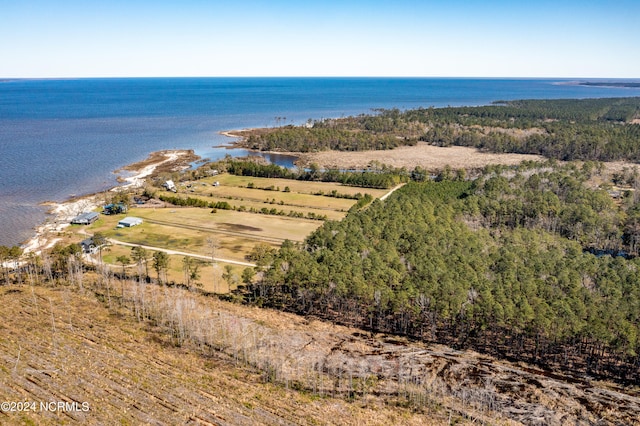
(62, 138)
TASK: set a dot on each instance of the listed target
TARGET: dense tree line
(320, 138)
(551, 198)
(586, 129)
(195, 202)
(496, 264)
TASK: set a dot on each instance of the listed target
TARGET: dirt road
(181, 253)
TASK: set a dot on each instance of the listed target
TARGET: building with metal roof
(85, 218)
(129, 221)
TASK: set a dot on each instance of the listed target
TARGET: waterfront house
(114, 208)
(85, 218)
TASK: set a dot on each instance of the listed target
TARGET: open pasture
(247, 199)
(224, 234)
(300, 187)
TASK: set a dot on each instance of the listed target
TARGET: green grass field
(296, 186)
(246, 199)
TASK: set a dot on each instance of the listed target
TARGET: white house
(129, 221)
(170, 186)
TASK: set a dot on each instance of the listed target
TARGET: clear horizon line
(318, 76)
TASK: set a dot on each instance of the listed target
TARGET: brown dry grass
(424, 155)
(64, 346)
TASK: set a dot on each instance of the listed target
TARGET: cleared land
(188, 228)
(66, 347)
(422, 154)
(193, 230)
(284, 194)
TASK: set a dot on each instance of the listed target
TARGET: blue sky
(471, 38)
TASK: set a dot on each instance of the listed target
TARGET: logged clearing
(144, 354)
(61, 346)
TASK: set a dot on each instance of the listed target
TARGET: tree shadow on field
(238, 227)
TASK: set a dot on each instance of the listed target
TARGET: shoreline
(62, 212)
(232, 133)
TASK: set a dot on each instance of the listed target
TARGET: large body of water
(63, 138)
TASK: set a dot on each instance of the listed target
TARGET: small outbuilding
(170, 186)
(129, 221)
(85, 218)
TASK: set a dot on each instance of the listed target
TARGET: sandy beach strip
(46, 234)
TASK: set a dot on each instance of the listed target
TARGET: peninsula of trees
(631, 84)
(588, 129)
